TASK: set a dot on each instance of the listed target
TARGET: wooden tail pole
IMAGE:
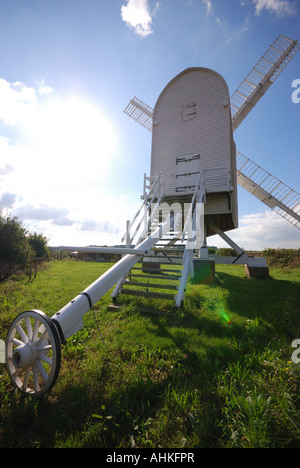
(70, 318)
(32, 348)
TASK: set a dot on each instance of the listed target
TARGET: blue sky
(72, 163)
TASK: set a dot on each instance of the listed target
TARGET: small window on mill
(188, 112)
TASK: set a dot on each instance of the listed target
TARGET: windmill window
(188, 112)
(187, 159)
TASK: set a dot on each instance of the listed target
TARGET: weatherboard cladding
(192, 129)
(205, 132)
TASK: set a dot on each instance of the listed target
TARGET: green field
(217, 373)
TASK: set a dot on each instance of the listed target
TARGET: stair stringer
(176, 242)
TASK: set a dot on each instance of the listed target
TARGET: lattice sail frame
(284, 200)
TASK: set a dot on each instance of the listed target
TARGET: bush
(282, 257)
(18, 247)
(38, 243)
(227, 252)
(14, 246)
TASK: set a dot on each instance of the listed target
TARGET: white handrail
(143, 205)
(199, 189)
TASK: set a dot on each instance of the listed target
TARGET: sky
(72, 163)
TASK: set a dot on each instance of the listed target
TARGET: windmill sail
(252, 88)
(260, 78)
(270, 190)
(267, 188)
(140, 112)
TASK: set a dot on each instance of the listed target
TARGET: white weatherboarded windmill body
(191, 193)
(192, 132)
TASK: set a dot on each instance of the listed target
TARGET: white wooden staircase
(164, 270)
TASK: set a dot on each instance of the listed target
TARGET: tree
(18, 247)
(38, 242)
(14, 246)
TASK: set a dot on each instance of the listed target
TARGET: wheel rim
(33, 353)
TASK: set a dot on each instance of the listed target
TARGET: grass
(216, 374)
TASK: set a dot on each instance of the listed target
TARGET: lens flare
(224, 316)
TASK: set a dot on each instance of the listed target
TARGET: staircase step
(151, 285)
(169, 260)
(168, 270)
(164, 248)
(161, 277)
(133, 292)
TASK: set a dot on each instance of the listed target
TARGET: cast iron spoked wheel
(32, 353)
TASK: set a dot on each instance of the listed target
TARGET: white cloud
(6, 169)
(43, 89)
(137, 15)
(210, 12)
(59, 152)
(58, 135)
(45, 213)
(15, 158)
(7, 200)
(208, 4)
(263, 230)
(279, 7)
(16, 102)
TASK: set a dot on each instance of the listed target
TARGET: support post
(227, 239)
(254, 267)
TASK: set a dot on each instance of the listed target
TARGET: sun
(72, 133)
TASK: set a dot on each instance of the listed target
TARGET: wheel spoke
(22, 334)
(42, 370)
(35, 330)
(16, 372)
(26, 378)
(44, 349)
(16, 342)
(42, 338)
(47, 359)
(28, 327)
(33, 353)
(36, 382)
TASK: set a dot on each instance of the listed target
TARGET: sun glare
(72, 133)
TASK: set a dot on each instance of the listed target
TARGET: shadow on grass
(156, 396)
(273, 301)
(145, 412)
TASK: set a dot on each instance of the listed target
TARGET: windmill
(189, 195)
(262, 184)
